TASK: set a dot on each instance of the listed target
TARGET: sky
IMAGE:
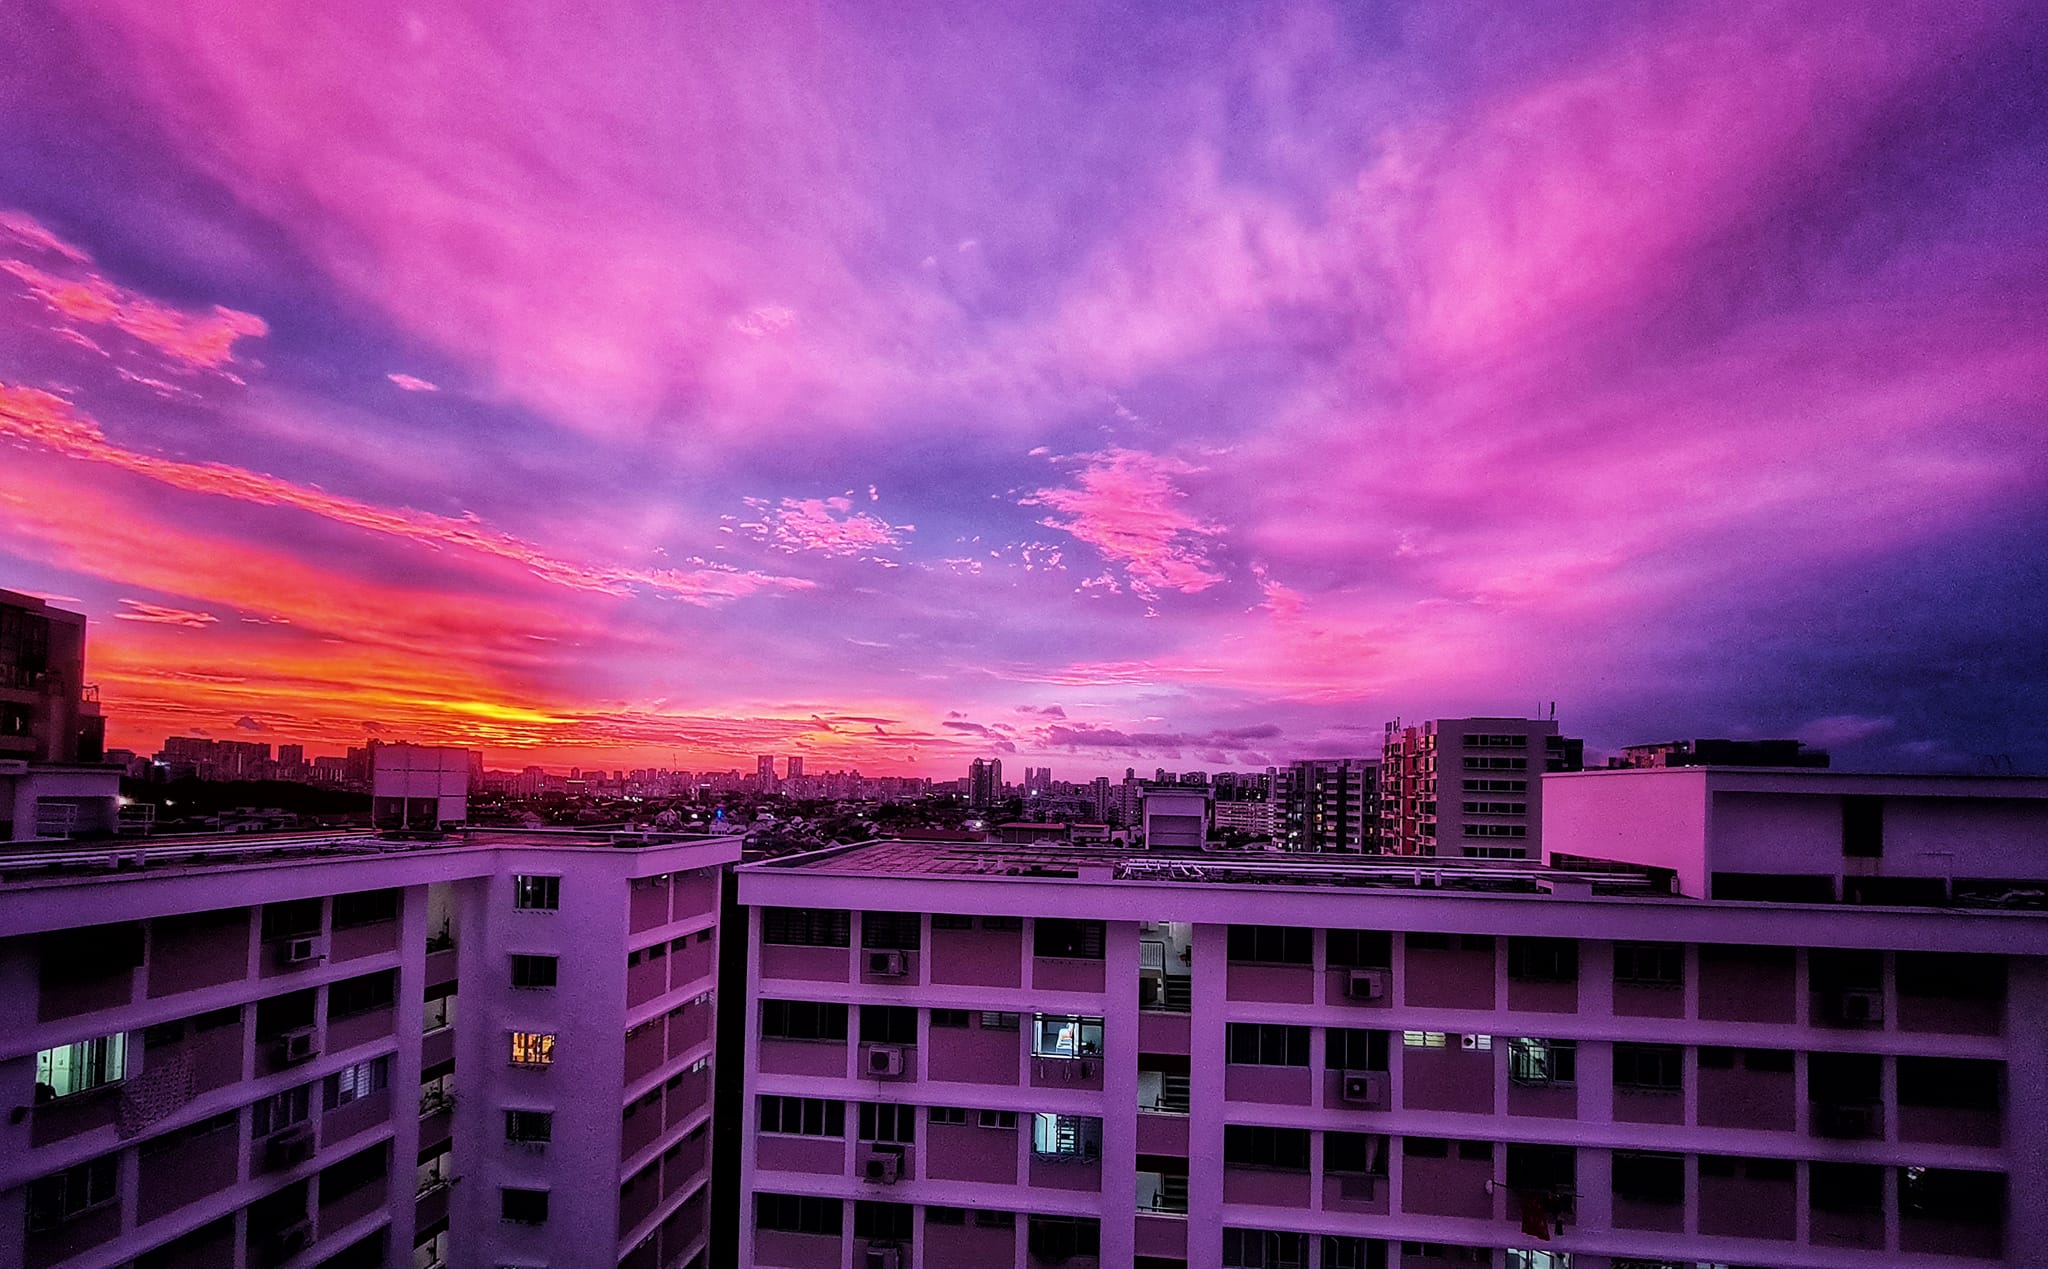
(1089, 386)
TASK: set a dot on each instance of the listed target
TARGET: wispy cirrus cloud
(32, 416)
(157, 614)
(411, 383)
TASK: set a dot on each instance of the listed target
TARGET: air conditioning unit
(289, 1241)
(295, 1046)
(1850, 1120)
(302, 949)
(885, 1059)
(1364, 1088)
(287, 1149)
(882, 1258)
(886, 964)
(1856, 1006)
(880, 1166)
(1468, 1041)
(1366, 984)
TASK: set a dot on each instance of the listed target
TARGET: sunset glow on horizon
(1125, 386)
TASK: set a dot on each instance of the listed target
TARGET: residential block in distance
(1787, 1019)
(351, 1051)
(1469, 788)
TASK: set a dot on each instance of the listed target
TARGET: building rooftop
(996, 860)
(73, 861)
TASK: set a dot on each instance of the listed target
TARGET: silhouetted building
(1722, 753)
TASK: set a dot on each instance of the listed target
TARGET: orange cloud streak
(47, 421)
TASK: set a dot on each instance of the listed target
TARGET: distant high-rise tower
(764, 766)
(1470, 787)
(796, 767)
(985, 782)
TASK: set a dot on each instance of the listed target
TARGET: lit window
(75, 1068)
(353, 1082)
(533, 1048)
(1065, 1035)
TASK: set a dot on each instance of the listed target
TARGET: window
(523, 1207)
(81, 1067)
(280, 1111)
(802, 1020)
(934, 1215)
(1846, 1187)
(1263, 1249)
(951, 921)
(1542, 1062)
(66, 1195)
(1863, 827)
(1000, 1021)
(995, 1220)
(949, 1017)
(1065, 1035)
(1424, 1039)
(352, 1083)
(882, 1222)
(1057, 1239)
(1268, 945)
(1361, 949)
(1354, 1153)
(887, 930)
(536, 894)
(1256, 1146)
(1496, 830)
(999, 1119)
(1496, 808)
(799, 1214)
(1652, 1068)
(806, 927)
(176, 1138)
(888, 1024)
(1066, 1136)
(947, 1115)
(1350, 1049)
(1344, 1251)
(888, 1122)
(529, 1126)
(1648, 1177)
(533, 1048)
(366, 908)
(1266, 1044)
(367, 994)
(1496, 786)
(1543, 960)
(803, 1116)
(1649, 964)
(533, 971)
(1073, 940)
(1425, 1148)
(1002, 923)
(1496, 764)
(1950, 1083)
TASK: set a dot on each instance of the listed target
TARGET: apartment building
(1470, 788)
(53, 780)
(1018, 1056)
(349, 1051)
(1330, 804)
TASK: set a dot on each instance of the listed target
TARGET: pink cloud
(203, 341)
(826, 526)
(411, 384)
(1126, 505)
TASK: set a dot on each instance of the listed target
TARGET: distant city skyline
(1197, 386)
